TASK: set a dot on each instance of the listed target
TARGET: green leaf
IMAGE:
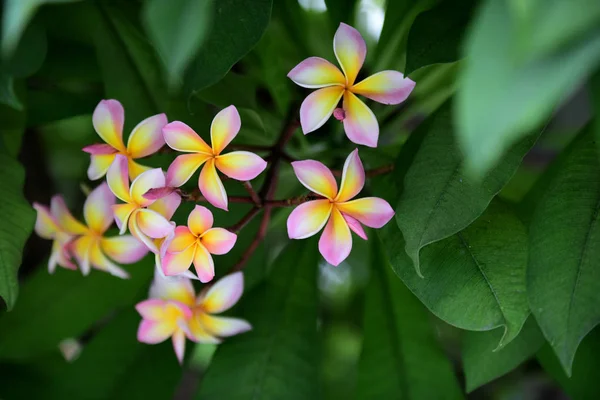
(438, 199)
(340, 11)
(279, 358)
(563, 276)
(237, 27)
(38, 324)
(17, 223)
(177, 28)
(436, 35)
(500, 97)
(475, 279)
(583, 384)
(7, 92)
(482, 363)
(401, 355)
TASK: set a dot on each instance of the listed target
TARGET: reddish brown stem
(370, 172)
(252, 193)
(260, 235)
(245, 220)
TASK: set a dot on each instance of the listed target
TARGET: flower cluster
(149, 197)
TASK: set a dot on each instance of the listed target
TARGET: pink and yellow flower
(145, 139)
(173, 311)
(91, 248)
(239, 165)
(195, 243)
(48, 227)
(360, 124)
(142, 216)
(336, 211)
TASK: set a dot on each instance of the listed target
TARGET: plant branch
(370, 172)
(253, 195)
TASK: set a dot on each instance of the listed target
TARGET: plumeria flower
(48, 227)
(139, 214)
(336, 211)
(239, 165)
(360, 124)
(195, 243)
(173, 311)
(145, 139)
(91, 248)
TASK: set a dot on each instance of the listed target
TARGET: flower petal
(179, 345)
(353, 177)
(335, 242)
(387, 87)
(224, 127)
(81, 248)
(183, 167)
(102, 263)
(308, 218)
(118, 178)
(200, 220)
(124, 249)
(355, 226)
(371, 211)
(318, 107)
(63, 216)
(218, 240)
(154, 178)
(97, 209)
(108, 119)
(151, 309)
(60, 254)
(223, 294)
(240, 165)
(224, 326)
(135, 230)
(166, 206)
(360, 123)
(182, 240)
(198, 333)
(136, 169)
(153, 224)
(350, 50)
(99, 164)
(182, 138)
(211, 186)
(176, 263)
(45, 224)
(99, 149)
(203, 262)
(316, 177)
(175, 288)
(153, 332)
(316, 72)
(122, 213)
(147, 137)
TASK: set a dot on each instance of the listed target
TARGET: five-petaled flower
(336, 209)
(145, 139)
(173, 311)
(145, 218)
(360, 124)
(239, 165)
(195, 243)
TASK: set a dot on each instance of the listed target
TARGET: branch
(245, 220)
(370, 172)
(253, 195)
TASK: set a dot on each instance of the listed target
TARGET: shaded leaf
(502, 97)
(279, 357)
(475, 279)
(438, 199)
(563, 276)
(483, 363)
(340, 11)
(400, 356)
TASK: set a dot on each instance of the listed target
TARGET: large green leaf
(66, 304)
(401, 355)
(17, 223)
(482, 363)
(340, 11)
(177, 28)
(278, 359)
(438, 199)
(474, 279)
(563, 276)
(237, 27)
(501, 97)
(436, 35)
(583, 384)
